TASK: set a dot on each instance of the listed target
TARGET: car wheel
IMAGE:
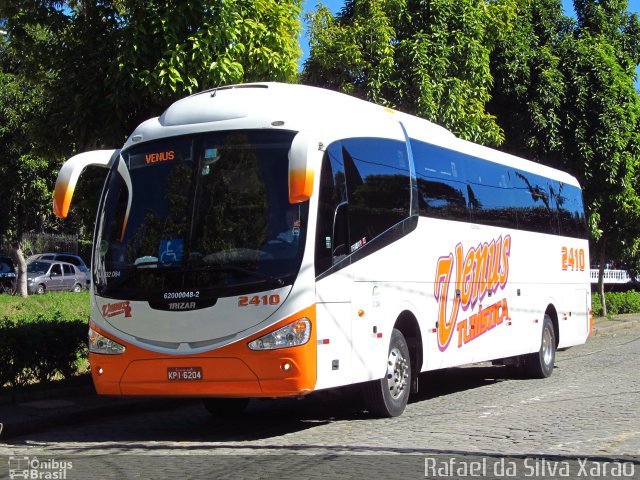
(77, 288)
(388, 396)
(41, 289)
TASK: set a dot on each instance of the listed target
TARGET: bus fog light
(100, 371)
(286, 366)
(101, 344)
(292, 335)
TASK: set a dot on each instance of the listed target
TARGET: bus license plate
(184, 374)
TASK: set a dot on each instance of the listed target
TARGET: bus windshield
(209, 215)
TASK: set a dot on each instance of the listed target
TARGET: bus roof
(330, 115)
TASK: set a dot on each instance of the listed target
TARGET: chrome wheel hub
(547, 347)
(398, 370)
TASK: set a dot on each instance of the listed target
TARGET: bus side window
(532, 203)
(332, 235)
(491, 196)
(378, 185)
(571, 217)
(442, 191)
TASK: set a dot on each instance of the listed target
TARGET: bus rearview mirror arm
(70, 172)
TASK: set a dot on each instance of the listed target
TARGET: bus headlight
(101, 344)
(291, 335)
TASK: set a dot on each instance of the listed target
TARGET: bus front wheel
(540, 364)
(225, 406)
(388, 396)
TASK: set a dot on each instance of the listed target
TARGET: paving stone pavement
(587, 408)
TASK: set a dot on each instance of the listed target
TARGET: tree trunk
(21, 277)
(601, 261)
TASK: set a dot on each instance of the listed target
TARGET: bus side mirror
(301, 168)
(70, 172)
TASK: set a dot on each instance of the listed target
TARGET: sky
(336, 5)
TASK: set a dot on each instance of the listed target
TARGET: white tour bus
(270, 240)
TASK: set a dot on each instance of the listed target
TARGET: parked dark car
(47, 275)
(65, 257)
(7, 275)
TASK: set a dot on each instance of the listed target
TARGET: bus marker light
(535, 321)
(379, 335)
(324, 341)
(361, 313)
(100, 371)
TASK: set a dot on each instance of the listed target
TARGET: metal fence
(33, 243)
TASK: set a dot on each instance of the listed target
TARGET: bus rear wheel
(540, 364)
(225, 406)
(388, 396)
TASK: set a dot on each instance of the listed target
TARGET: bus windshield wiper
(235, 268)
(137, 269)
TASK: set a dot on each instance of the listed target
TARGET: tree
(601, 127)
(564, 94)
(25, 177)
(430, 59)
(529, 85)
(91, 70)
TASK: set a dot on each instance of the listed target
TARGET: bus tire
(540, 364)
(388, 396)
(225, 406)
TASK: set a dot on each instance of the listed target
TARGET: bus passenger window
(490, 193)
(533, 204)
(571, 219)
(379, 186)
(442, 191)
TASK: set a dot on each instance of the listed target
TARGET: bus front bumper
(230, 371)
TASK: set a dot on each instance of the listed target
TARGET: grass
(63, 305)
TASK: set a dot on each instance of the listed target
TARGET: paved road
(588, 407)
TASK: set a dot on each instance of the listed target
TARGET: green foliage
(41, 349)
(529, 86)
(42, 336)
(617, 303)
(77, 76)
(565, 96)
(66, 305)
(430, 59)
(25, 177)
(181, 47)
(596, 305)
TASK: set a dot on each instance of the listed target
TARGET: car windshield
(209, 213)
(38, 267)
(6, 266)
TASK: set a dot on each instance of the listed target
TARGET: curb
(606, 326)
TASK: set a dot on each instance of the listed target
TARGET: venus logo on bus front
(469, 277)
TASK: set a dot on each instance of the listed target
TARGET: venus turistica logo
(479, 272)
